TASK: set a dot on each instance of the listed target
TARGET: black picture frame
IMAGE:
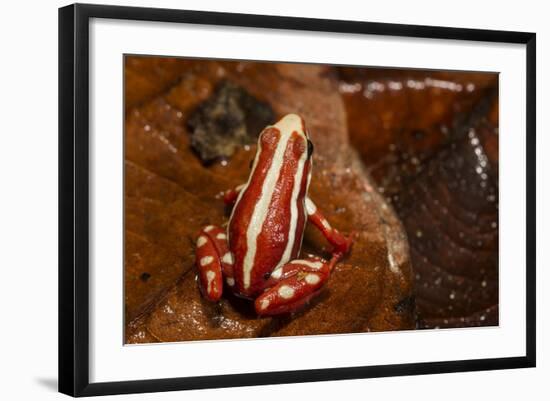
(74, 198)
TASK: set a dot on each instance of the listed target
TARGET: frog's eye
(309, 148)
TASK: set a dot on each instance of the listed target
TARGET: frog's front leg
(293, 285)
(230, 196)
(341, 243)
(214, 261)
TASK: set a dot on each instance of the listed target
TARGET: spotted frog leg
(294, 285)
(214, 261)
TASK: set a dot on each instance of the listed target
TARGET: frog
(256, 256)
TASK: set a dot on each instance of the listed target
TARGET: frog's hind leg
(293, 285)
(213, 261)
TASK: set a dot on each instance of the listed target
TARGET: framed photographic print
(249, 199)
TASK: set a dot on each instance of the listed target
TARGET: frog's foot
(293, 285)
(213, 261)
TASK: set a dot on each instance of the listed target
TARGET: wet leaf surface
(170, 194)
(430, 140)
(229, 119)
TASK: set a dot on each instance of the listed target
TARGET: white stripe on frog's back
(286, 126)
(243, 188)
(293, 212)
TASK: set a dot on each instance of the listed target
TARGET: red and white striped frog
(257, 254)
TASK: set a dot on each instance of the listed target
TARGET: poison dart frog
(257, 255)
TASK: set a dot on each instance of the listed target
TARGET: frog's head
(287, 141)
